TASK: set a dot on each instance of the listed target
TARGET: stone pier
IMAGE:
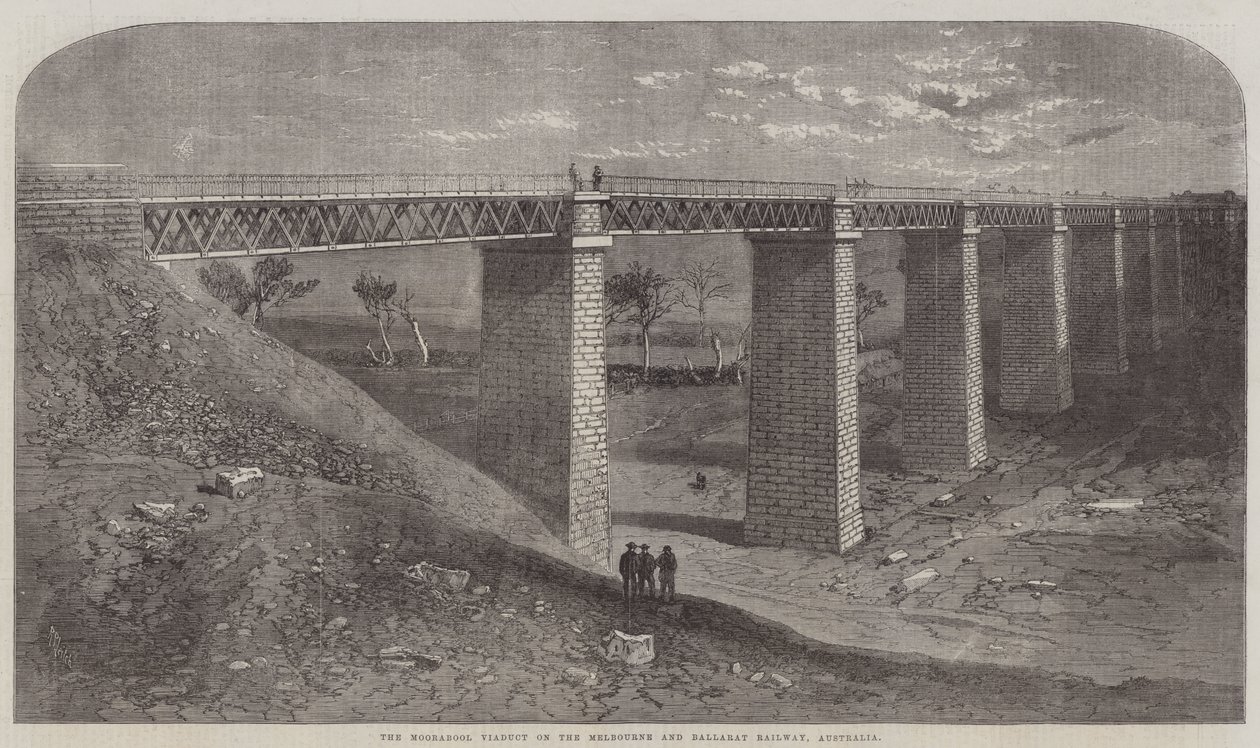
(97, 203)
(1098, 323)
(1166, 275)
(943, 411)
(803, 418)
(1036, 355)
(542, 423)
(1141, 298)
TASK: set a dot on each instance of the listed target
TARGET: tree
(272, 286)
(644, 296)
(404, 310)
(701, 285)
(226, 282)
(868, 302)
(377, 296)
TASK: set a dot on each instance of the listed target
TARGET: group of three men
(638, 572)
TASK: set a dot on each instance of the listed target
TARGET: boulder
(113, 528)
(336, 624)
(778, 681)
(895, 557)
(918, 581)
(481, 590)
(757, 677)
(238, 665)
(737, 668)
(631, 649)
(1040, 585)
(238, 482)
(424, 571)
(154, 511)
(579, 677)
(944, 500)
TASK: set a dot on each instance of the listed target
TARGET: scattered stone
(336, 624)
(737, 668)
(238, 665)
(1040, 584)
(238, 482)
(579, 677)
(969, 559)
(996, 580)
(630, 649)
(778, 681)
(113, 528)
(456, 579)
(165, 346)
(756, 677)
(259, 662)
(894, 557)
(918, 581)
(1017, 524)
(154, 511)
(481, 590)
(221, 627)
(944, 500)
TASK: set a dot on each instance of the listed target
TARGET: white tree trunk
(378, 360)
(424, 347)
(647, 352)
(717, 352)
(388, 353)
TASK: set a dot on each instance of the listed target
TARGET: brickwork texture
(1166, 275)
(803, 468)
(1036, 362)
(1140, 291)
(943, 410)
(1098, 323)
(79, 203)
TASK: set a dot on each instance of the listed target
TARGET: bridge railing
(294, 185)
(714, 187)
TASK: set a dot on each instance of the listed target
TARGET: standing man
(628, 567)
(647, 571)
(573, 177)
(597, 176)
(668, 564)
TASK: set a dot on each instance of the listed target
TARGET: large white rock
(895, 557)
(238, 482)
(919, 580)
(424, 571)
(631, 649)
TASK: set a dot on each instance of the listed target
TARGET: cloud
(900, 108)
(803, 131)
(850, 95)
(732, 118)
(641, 150)
(750, 70)
(463, 136)
(660, 79)
(1092, 135)
(733, 92)
(558, 120)
(951, 32)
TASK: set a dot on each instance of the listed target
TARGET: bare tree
(715, 342)
(377, 296)
(741, 354)
(701, 285)
(868, 302)
(645, 296)
(272, 286)
(404, 310)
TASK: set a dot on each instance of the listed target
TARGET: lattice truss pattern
(883, 215)
(1015, 214)
(243, 229)
(1165, 214)
(1089, 215)
(635, 215)
(1131, 214)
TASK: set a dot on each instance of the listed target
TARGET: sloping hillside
(290, 604)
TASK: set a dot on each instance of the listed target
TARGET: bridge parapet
(235, 187)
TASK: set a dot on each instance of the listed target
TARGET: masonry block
(82, 203)
(943, 386)
(1098, 322)
(803, 468)
(542, 424)
(1036, 366)
(1140, 291)
(1166, 273)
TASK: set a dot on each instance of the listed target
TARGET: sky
(1033, 106)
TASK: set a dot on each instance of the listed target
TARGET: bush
(669, 376)
(403, 359)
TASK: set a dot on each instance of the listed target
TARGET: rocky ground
(291, 603)
(1130, 504)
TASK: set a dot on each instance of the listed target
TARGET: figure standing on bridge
(628, 566)
(573, 177)
(597, 176)
(647, 572)
(668, 564)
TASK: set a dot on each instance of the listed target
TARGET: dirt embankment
(289, 604)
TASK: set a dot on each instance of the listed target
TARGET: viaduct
(1136, 267)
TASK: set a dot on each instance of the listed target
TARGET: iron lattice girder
(1089, 215)
(1014, 214)
(639, 214)
(872, 216)
(1132, 214)
(243, 228)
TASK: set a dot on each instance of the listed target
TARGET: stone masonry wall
(1036, 355)
(1140, 292)
(1097, 322)
(94, 203)
(803, 466)
(542, 420)
(1166, 275)
(943, 411)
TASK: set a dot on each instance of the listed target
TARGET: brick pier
(803, 420)
(1098, 323)
(1036, 355)
(1141, 297)
(943, 411)
(80, 203)
(542, 424)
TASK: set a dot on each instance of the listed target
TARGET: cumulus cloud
(803, 131)
(733, 92)
(643, 150)
(660, 79)
(558, 120)
(749, 70)
(463, 136)
(732, 118)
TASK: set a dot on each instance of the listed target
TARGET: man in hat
(647, 571)
(629, 569)
(668, 564)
